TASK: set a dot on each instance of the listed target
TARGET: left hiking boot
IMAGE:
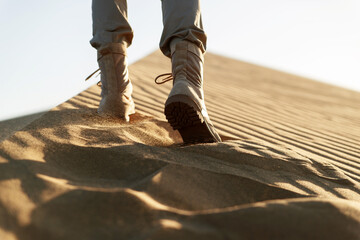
(116, 87)
(185, 107)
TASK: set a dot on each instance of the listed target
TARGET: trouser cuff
(108, 48)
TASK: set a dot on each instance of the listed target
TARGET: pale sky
(45, 50)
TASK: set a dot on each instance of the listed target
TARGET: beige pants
(181, 19)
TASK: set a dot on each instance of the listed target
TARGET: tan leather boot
(116, 87)
(185, 107)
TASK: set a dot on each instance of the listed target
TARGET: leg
(110, 24)
(112, 35)
(184, 41)
(182, 21)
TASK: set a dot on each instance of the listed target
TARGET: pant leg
(110, 23)
(182, 21)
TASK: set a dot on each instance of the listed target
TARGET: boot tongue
(187, 62)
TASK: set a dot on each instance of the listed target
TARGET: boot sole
(186, 117)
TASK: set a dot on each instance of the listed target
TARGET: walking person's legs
(112, 35)
(184, 41)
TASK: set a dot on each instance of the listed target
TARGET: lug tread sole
(189, 122)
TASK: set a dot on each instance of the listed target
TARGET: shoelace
(166, 77)
(91, 75)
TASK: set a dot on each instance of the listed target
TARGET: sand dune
(10, 126)
(289, 167)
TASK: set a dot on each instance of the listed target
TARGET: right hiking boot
(116, 87)
(185, 107)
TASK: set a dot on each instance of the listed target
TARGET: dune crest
(289, 168)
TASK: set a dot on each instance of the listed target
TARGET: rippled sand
(289, 167)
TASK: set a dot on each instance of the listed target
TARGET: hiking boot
(116, 87)
(185, 107)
